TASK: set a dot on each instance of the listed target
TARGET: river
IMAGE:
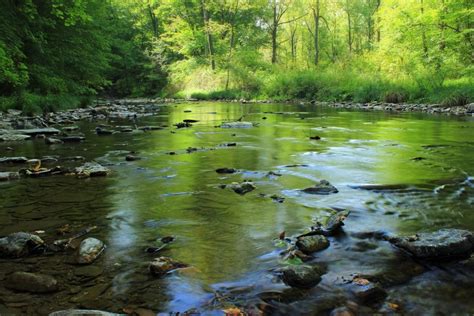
(423, 162)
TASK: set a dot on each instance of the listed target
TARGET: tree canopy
(274, 48)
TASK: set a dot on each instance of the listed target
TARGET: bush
(456, 99)
(395, 97)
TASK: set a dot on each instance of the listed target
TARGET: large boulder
(91, 169)
(5, 176)
(89, 250)
(323, 187)
(310, 244)
(236, 125)
(444, 243)
(20, 244)
(13, 160)
(31, 282)
(302, 276)
(162, 265)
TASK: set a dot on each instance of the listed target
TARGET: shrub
(395, 97)
(456, 99)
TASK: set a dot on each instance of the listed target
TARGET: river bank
(463, 110)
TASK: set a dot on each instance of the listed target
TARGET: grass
(31, 104)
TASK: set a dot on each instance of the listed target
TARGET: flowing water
(230, 239)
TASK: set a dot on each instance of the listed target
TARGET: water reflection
(226, 237)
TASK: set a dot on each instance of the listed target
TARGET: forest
(236, 157)
(56, 54)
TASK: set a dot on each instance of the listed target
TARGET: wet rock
(90, 294)
(277, 198)
(89, 250)
(73, 139)
(366, 291)
(150, 128)
(12, 137)
(441, 244)
(190, 121)
(310, 244)
(183, 124)
(335, 222)
(167, 239)
(83, 312)
(242, 188)
(162, 265)
(302, 276)
(230, 145)
(88, 272)
(315, 137)
(236, 125)
(36, 131)
(332, 227)
(342, 311)
(20, 244)
(6, 176)
(132, 158)
(13, 160)
(91, 169)
(191, 149)
(323, 188)
(52, 141)
(103, 131)
(31, 282)
(226, 170)
(70, 128)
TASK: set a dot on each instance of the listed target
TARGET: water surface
(229, 239)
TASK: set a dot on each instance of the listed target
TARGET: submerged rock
(332, 227)
(302, 276)
(12, 137)
(444, 243)
(132, 158)
(103, 131)
(52, 141)
(31, 282)
(236, 125)
(5, 176)
(310, 244)
(91, 169)
(367, 291)
(36, 131)
(323, 187)
(226, 170)
(162, 265)
(13, 160)
(89, 250)
(242, 188)
(20, 244)
(83, 312)
(73, 139)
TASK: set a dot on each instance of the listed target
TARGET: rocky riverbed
(138, 207)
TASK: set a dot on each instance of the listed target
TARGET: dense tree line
(327, 49)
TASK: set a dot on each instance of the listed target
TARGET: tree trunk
(316, 16)
(378, 22)
(423, 33)
(153, 20)
(231, 46)
(349, 27)
(210, 45)
(293, 44)
(274, 33)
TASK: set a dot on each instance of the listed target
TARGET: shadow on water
(396, 173)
